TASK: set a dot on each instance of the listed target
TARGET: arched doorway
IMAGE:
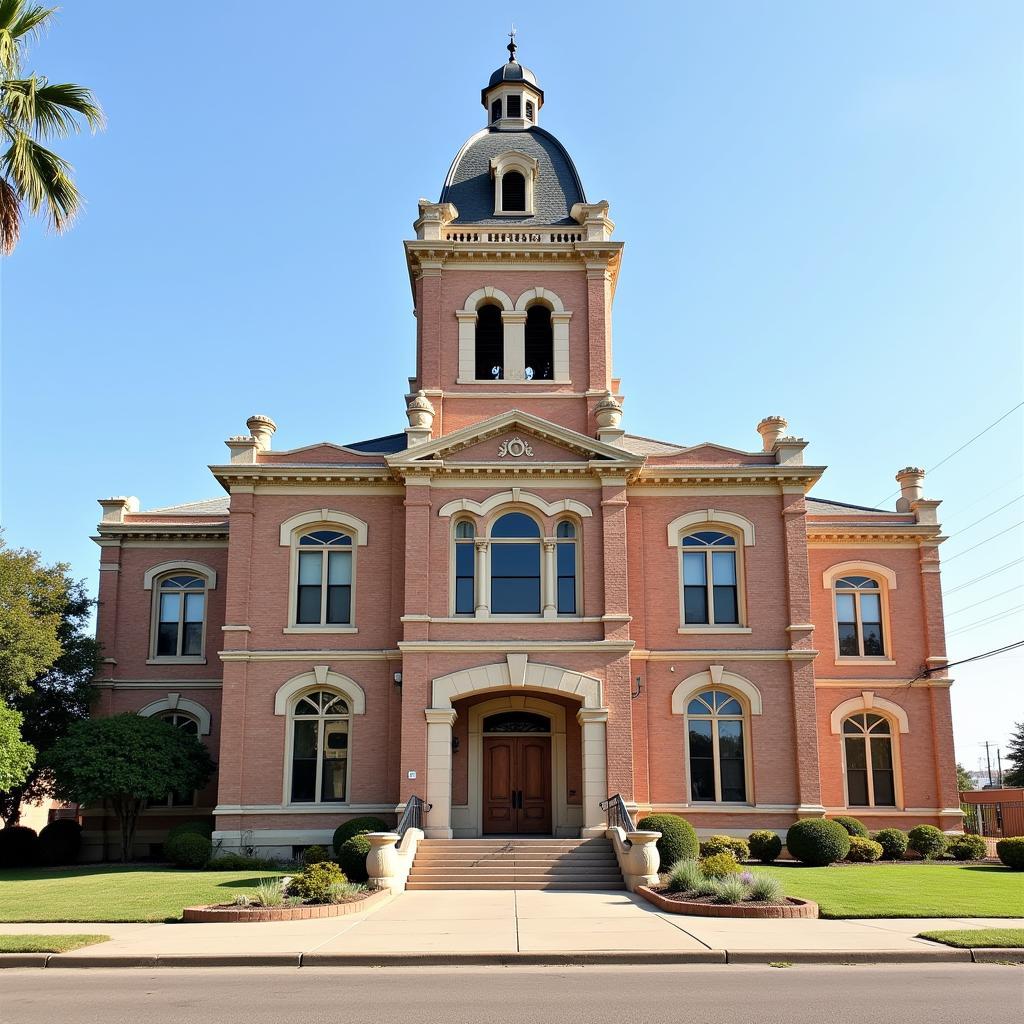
(516, 783)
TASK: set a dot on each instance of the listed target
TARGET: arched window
(714, 720)
(187, 723)
(539, 343)
(859, 617)
(324, 579)
(565, 560)
(517, 721)
(515, 565)
(319, 752)
(180, 616)
(513, 185)
(710, 586)
(867, 743)
(465, 568)
(490, 343)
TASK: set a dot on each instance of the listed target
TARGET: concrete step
(553, 871)
(479, 886)
(488, 856)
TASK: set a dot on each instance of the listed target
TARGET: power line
(942, 462)
(984, 576)
(985, 622)
(985, 541)
(964, 529)
(985, 600)
(988, 494)
(964, 661)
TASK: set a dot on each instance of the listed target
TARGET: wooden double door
(517, 785)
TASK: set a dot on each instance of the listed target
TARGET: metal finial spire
(512, 45)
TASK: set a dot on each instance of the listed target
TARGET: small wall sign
(412, 775)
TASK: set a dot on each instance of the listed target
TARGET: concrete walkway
(508, 922)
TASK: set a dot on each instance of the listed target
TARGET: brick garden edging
(794, 907)
(308, 913)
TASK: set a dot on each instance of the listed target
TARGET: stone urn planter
(792, 908)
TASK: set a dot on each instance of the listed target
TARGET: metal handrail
(412, 816)
(618, 814)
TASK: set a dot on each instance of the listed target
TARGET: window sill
(488, 619)
(319, 629)
(513, 213)
(866, 660)
(714, 630)
(514, 383)
(190, 660)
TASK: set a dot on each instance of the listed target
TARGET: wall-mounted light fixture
(398, 678)
(455, 744)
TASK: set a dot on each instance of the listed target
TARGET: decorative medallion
(515, 447)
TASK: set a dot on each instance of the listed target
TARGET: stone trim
(706, 516)
(321, 676)
(518, 497)
(715, 678)
(175, 702)
(867, 701)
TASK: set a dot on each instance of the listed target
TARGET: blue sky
(821, 204)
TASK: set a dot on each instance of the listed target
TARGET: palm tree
(32, 109)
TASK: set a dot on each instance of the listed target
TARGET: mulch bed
(309, 912)
(706, 907)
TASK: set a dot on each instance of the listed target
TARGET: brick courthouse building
(514, 608)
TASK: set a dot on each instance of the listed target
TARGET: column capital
(440, 716)
(586, 716)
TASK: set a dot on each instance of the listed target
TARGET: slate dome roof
(470, 188)
(513, 71)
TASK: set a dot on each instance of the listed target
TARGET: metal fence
(995, 820)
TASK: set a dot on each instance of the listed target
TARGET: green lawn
(110, 893)
(47, 943)
(980, 938)
(906, 890)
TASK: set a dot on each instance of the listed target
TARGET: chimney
(771, 428)
(115, 509)
(262, 428)
(911, 481)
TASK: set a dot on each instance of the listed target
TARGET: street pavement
(932, 994)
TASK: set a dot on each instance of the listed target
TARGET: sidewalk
(508, 926)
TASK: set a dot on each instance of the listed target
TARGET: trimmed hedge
(893, 841)
(352, 857)
(678, 837)
(719, 865)
(354, 826)
(765, 845)
(1010, 851)
(817, 841)
(61, 841)
(19, 847)
(853, 826)
(188, 850)
(191, 828)
(725, 844)
(314, 883)
(864, 851)
(967, 847)
(240, 862)
(315, 855)
(927, 840)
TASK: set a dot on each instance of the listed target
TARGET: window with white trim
(323, 593)
(180, 616)
(465, 567)
(188, 724)
(319, 722)
(868, 751)
(715, 726)
(859, 617)
(540, 344)
(490, 342)
(710, 579)
(565, 565)
(515, 550)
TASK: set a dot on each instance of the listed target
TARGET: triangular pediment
(519, 437)
(707, 453)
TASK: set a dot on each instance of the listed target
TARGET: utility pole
(988, 764)
(999, 763)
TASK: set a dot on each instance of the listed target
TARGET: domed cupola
(512, 97)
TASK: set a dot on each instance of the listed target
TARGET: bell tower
(513, 275)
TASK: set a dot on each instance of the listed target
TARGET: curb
(577, 959)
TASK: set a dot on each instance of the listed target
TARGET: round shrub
(765, 845)
(967, 847)
(19, 847)
(188, 850)
(1010, 851)
(893, 842)
(853, 826)
(315, 855)
(314, 883)
(192, 828)
(817, 841)
(354, 826)
(352, 857)
(864, 851)
(725, 844)
(61, 841)
(928, 841)
(719, 865)
(678, 837)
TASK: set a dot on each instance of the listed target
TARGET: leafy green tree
(55, 699)
(1014, 775)
(32, 111)
(32, 597)
(16, 756)
(964, 782)
(123, 761)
